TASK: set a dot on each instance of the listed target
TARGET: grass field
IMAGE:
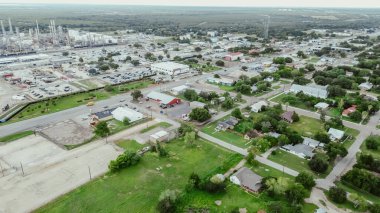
(228, 136)
(307, 126)
(267, 171)
(161, 124)
(15, 136)
(364, 194)
(58, 104)
(137, 188)
(122, 88)
(296, 163)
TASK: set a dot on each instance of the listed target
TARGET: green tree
(237, 113)
(124, 160)
(295, 194)
(228, 103)
(199, 114)
(126, 121)
(197, 49)
(319, 163)
(167, 202)
(101, 129)
(190, 138)
(219, 63)
(190, 95)
(337, 195)
(306, 180)
(136, 94)
(81, 60)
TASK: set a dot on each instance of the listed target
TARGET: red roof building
(349, 110)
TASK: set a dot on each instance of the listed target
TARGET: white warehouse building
(170, 68)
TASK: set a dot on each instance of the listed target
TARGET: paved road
(37, 122)
(245, 153)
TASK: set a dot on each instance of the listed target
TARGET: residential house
(287, 116)
(221, 81)
(366, 86)
(349, 110)
(256, 107)
(197, 104)
(321, 106)
(104, 115)
(252, 134)
(274, 134)
(247, 179)
(312, 90)
(312, 143)
(301, 150)
(227, 124)
(335, 134)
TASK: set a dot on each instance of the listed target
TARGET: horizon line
(175, 5)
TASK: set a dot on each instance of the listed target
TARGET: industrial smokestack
(10, 26)
(2, 28)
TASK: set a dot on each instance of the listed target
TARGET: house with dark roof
(252, 134)
(227, 124)
(247, 179)
(287, 116)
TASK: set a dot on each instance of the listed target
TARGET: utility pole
(22, 169)
(89, 172)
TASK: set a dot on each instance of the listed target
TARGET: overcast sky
(237, 3)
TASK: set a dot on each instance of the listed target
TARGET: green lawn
(123, 88)
(374, 153)
(364, 194)
(161, 124)
(267, 171)
(335, 112)
(136, 189)
(298, 104)
(296, 163)
(89, 84)
(228, 136)
(130, 145)
(345, 206)
(118, 126)
(15, 136)
(307, 126)
(58, 104)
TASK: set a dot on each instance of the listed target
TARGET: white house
(321, 105)
(258, 106)
(169, 68)
(180, 89)
(366, 86)
(121, 113)
(312, 90)
(221, 81)
(335, 134)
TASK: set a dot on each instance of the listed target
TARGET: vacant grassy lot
(364, 194)
(123, 88)
(307, 126)
(137, 189)
(15, 136)
(296, 163)
(161, 124)
(228, 136)
(267, 171)
(58, 104)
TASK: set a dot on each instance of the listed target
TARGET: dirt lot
(51, 171)
(67, 133)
